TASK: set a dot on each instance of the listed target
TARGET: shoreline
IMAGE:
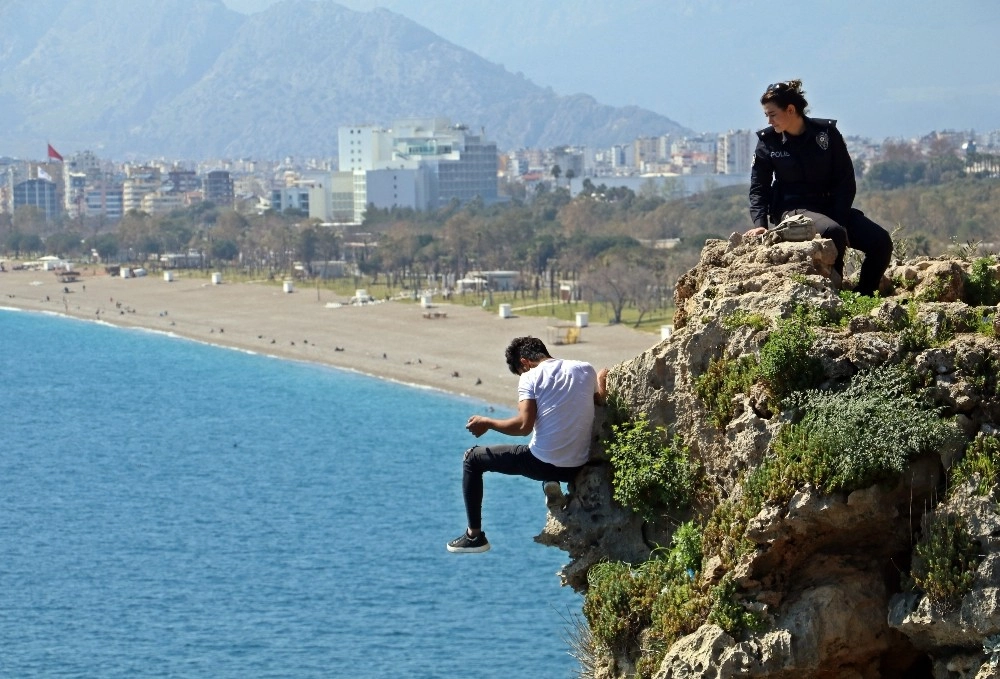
(458, 351)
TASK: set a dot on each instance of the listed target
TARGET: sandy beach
(458, 349)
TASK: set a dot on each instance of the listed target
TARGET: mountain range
(195, 79)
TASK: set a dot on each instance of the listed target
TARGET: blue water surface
(173, 509)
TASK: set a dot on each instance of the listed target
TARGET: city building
(139, 180)
(734, 152)
(218, 186)
(162, 202)
(182, 181)
(420, 163)
(40, 193)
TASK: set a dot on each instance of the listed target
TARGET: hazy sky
(884, 68)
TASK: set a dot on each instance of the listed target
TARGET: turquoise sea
(174, 509)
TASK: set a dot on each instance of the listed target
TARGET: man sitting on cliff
(556, 399)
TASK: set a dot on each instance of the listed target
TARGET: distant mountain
(194, 79)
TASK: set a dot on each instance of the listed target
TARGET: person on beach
(556, 399)
(801, 167)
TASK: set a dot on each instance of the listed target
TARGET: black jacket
(812, 171)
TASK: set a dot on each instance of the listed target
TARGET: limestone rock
(828, 572)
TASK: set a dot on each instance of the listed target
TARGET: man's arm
(520, 424)
(601, 395)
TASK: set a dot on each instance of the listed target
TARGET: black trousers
(859, 233)
(515, 460)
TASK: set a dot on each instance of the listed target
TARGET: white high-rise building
(421, 163)
(734, 152)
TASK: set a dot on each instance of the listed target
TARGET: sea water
(175, 509)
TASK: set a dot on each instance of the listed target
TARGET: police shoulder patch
(823, 139)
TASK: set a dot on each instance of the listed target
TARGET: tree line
(614, 245)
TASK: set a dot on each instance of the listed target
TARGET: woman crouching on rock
(801, 166)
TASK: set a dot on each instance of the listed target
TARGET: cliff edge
(799, 482)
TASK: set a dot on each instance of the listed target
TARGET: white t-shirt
(563, 391)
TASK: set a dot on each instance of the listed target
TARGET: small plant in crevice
(852, 304)
(784, 366)
(616, 409)
(934, 291)
(983, 321)
(965, 251)
(901, 244)
(986, 377)
(650, 471)
(728, 613)
(945, 560)
(980, 464)
(724, 378)
(982, 286)
(725, 531)
(916, 335)
(740, 319)
(785, 363)
(908, 284)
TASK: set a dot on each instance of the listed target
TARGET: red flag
(54, 155)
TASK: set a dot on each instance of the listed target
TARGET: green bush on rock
(945, 560)
(981, 465)
(852, 438)
(640, 611)
(649, 472)
(982, 287)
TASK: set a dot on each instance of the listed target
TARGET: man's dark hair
(530, 348)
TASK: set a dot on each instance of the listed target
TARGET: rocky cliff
(799, 482)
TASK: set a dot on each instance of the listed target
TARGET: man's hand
(756, 231)
(478, 425)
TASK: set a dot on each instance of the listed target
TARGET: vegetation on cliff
(846, 453)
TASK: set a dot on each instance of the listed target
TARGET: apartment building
(139, 180)
(734, 152)
(40, 193)
(420, 163)
(218, 186)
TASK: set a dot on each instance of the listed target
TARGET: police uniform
(812, 174)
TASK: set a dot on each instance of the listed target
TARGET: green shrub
(905, 283)
(853, 304)
(986, 377)
(981, 464)
(916, 335)
(740, 318)
(608, 606)
(934, 291)
(728, 613)
(649, 473)
(852, 438)
(945, 560)
(983, 321)
(785, 363)
(685, 551)
(660, 597)
(982, 288)
(725, 531)
(722, 380)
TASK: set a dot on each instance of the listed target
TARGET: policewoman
(801, 166)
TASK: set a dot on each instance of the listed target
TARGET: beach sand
(460, 351)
